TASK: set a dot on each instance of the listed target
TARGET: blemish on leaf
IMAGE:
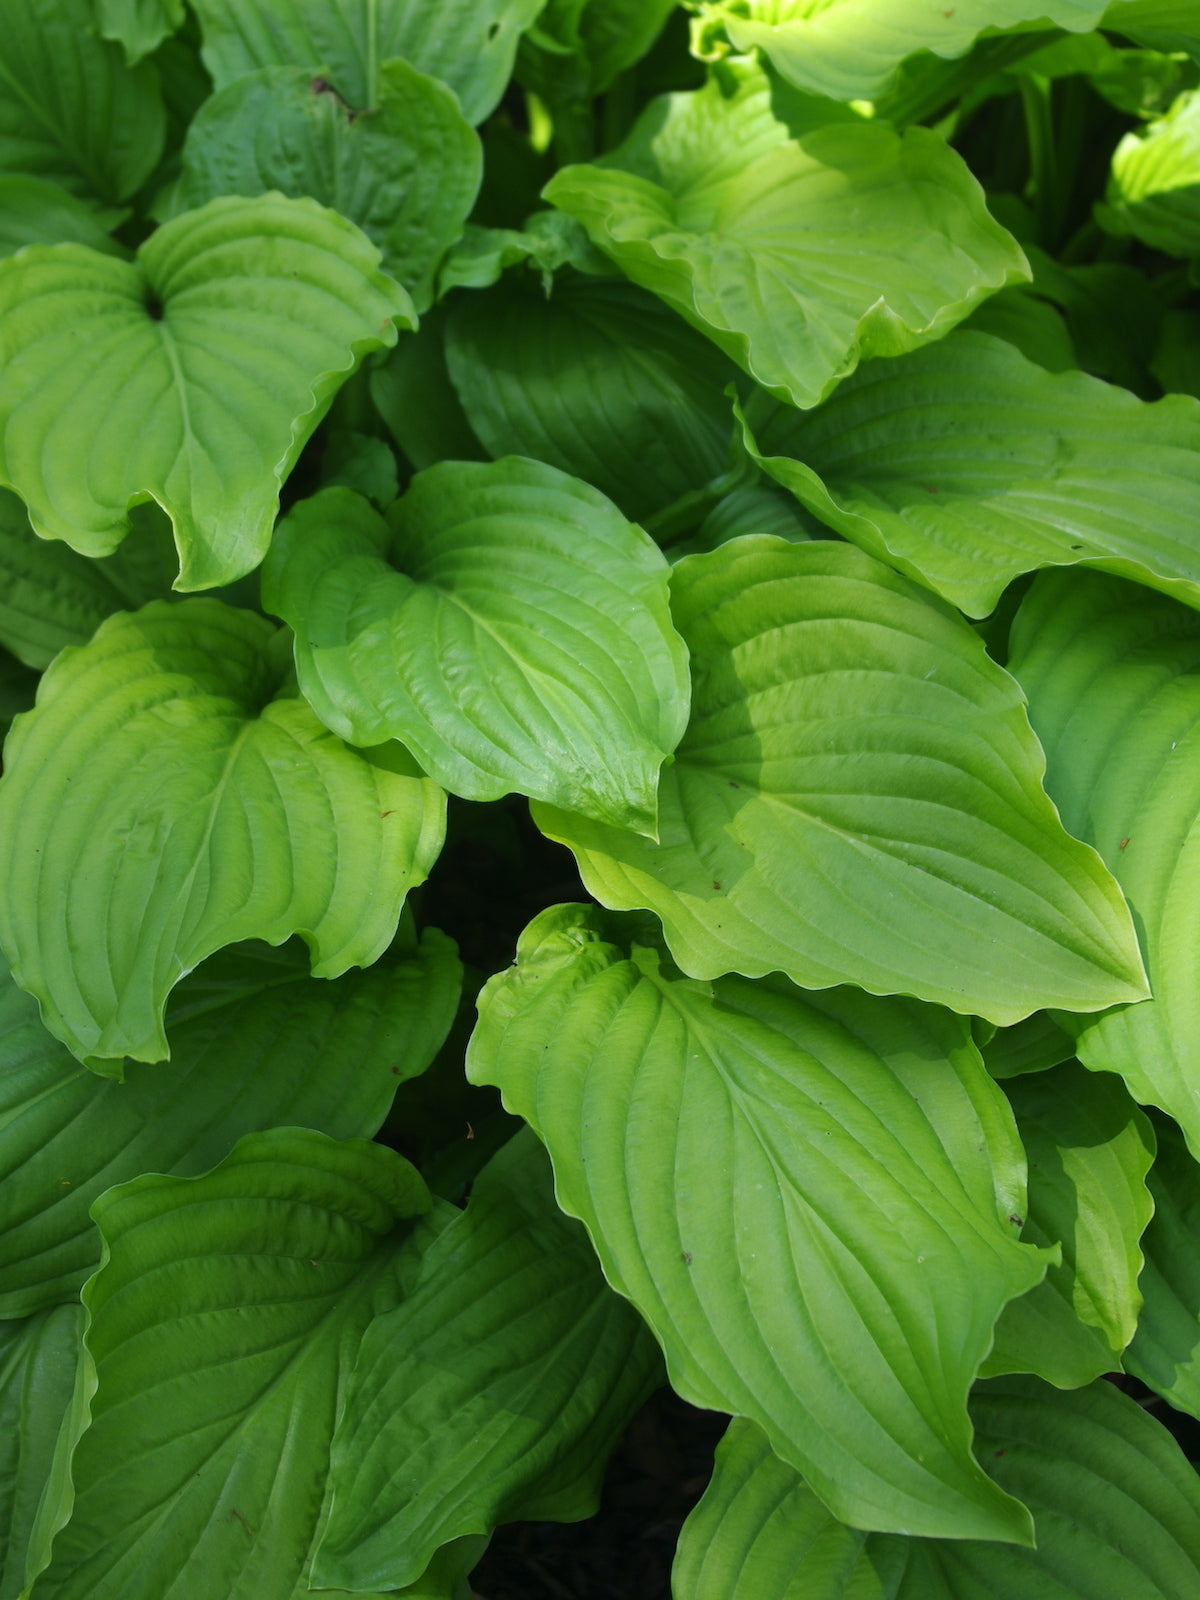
(716, 886)
(470, 1131)
(687, 1258)
(390, 813)
(1000, 1452)
(234, 1512)
(1017, 1222)
(1123, 842)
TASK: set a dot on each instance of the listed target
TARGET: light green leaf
(850, 49)
(413, 394)
(493, 1393)
(140, 26)
(468, 44)
(223, 1325)
(798, 252)
(1114, 1504)
(38, 1358)
(35, 211)
(480, 624)
(791, 1189)
(1089, 1150)
(446, 1576)
(598, 379)
(858, 799)
(192, 377)
(1165, 1352)
(1154, 190)
(1113, 678)
(162, 801)
(1033, 1045)
(964, 465)
(70, 109)
(255, 1041)
(407, 174)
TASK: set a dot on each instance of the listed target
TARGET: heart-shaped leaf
(799, 256)
(792, 1189)
(964, 465)
(858, 799)
(192, 377)
(505, 622)
(161, 802)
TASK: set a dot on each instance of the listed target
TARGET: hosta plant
(764, 436)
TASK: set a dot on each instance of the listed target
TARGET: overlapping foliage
(767, 441)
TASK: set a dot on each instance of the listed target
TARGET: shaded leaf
(799, 251)
(413, 394)
(1165, 1352)
(479, 624)
(361, 462)
(494, 1392)
(1033, 1045)
(858, 799)
(579, 47)
(213, 811)
(255, 1042)
(549, 241)
(192, 377)
(964, 465)
(36, 211)
(791, 1189)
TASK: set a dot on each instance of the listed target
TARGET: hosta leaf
(1033, 1045)
(791, 1189)
(799, 256)
(753, 508)
(1089, 1150)
(858, 799)
(413, 394)
(255, 1041)
(599, 380)
(549, 241)
(38, 1357)
(70, 109)
(1165, 1352)
(493, 1392)
(140, 26)
(1113, 678)
(18, 685)
(1158, 24)
(407, 174)
(35, 211)
(580, 46)
(162, 801)
(361, 462)
(1154, 191)
(445, 1578)
(505, 622)
(964, 465)
(469, 44)
(192, 377)
(850, 49)
(223, 1325)
(1114, 1504)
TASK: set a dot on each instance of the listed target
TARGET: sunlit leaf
(1154, 191)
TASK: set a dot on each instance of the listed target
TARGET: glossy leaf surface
(221, 811)
(858, 799)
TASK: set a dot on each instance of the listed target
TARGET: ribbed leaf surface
(858, 799)
(1165, 1353)
(964, 465)
(160, 802)
(799, 256)
(494, 1392)
(1154, 190)
(1113, 678)
(505, 622)
(792, 1189)
(35, 211)
(255, 1042)
(1114, 1504)
(192, 377)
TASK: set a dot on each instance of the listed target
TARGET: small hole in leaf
(154, 308)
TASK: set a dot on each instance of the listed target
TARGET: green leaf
(413, 394)
(580, 46)
(965, 465)
(858, 799)
(361, 462)
(798, 255)
(850, 49)
(1089, 1150)
(549, 241)
(445, 1578)
(192, 377)
(1032, 325)
(468, 44)
(480, 624)
(1033, 1045)
(599, 380)
(70, 109)
(140, 26)
(18, 685)
(1165, 1352)
(1154, 190)
(38, 1358)
(223, 1325)
(1158, 24)
(407, 174)
(792, 1190)
(1113, 678)
(494, 1392)
(35, 211)
(162, 801)
(1114, 1505)
(255, 1041)
(753, 508)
